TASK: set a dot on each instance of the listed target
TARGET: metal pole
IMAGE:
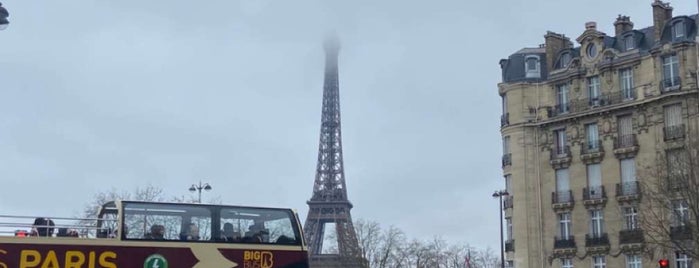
(502, 242)
(199, 194)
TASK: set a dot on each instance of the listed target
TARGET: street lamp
(3, 18)
(499, 194)
(200, 187)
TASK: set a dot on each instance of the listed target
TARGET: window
(674, 127)
(626, 83)
(562, 186)
(673, 115)
(564, 227)
(629, 42)
(591, 50)
(594, 181)
(506, 145)
(629, 186)
(508, 184)
(593, 90)
(625, 129)
(671, 70)
(562, 98)
(592, 137)
(633, 261)
(683, 260)
(567, 263)
(167, 222)
(596, 223)
(599, 262)
(565, 60)
(680, 215)
(560, 139)
(532, 66)
(257, 226)
(509, 229)
(630, 218)
(678, 30)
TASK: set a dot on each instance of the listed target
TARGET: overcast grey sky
(101, 94)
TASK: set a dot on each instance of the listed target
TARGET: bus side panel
(29, 255)
(88, 256)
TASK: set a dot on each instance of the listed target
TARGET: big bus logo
(257, 259)
(155, 261)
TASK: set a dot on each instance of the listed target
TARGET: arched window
(564, 60)
(532, 66)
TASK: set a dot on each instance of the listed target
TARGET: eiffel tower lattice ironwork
(329, 204)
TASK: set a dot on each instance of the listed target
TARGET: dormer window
(678, 30)
(564, 60)
(629, 43)
(532, 66)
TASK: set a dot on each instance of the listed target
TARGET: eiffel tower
(329, 205)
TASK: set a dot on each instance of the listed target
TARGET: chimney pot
(591, 25)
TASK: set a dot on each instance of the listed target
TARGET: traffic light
(664, 263)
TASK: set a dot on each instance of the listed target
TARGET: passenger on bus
(257, 233)
(191, 234)
(42, 227)
(229, 233)
(157, 232)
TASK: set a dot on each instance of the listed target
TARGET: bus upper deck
(156, 234)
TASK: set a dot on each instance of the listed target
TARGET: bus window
(153, 221)
(254, 225)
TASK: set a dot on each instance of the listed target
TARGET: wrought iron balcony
(682, 232)
(559, 109)
(505, 119)
(591, 147)
(560, 157)
(508, 202)
(596, 240)
(632, 236)
(507, 159)
(592, 152)
(594, 195)
(567, 242)
(625, 141)
(670, 84)
(510, 245)
(562, 199)
(674, 132)
(627, 191)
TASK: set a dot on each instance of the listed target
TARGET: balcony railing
(682, 232)
(629, 188)
(584, 104)
(562, 197)
(596, 240)
(594, 193)
(508, 202)
(510, 245)
(564, 242)
(625, 141)
(673, 132)
(591, 147)
(507, 159)
(632, 236)
(558, 109)
(505, 119)
(670, 84)
(560, 152)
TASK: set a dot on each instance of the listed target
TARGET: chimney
(622, 24)
(661, 13)
(555, 43)
(590, 25)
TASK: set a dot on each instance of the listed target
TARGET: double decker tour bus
(131, 234)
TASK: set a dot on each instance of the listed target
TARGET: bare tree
(669, 206)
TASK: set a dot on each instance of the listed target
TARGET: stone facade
(578, 122)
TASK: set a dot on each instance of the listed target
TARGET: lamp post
(3, 18)
(499, 194)
(200, 187)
